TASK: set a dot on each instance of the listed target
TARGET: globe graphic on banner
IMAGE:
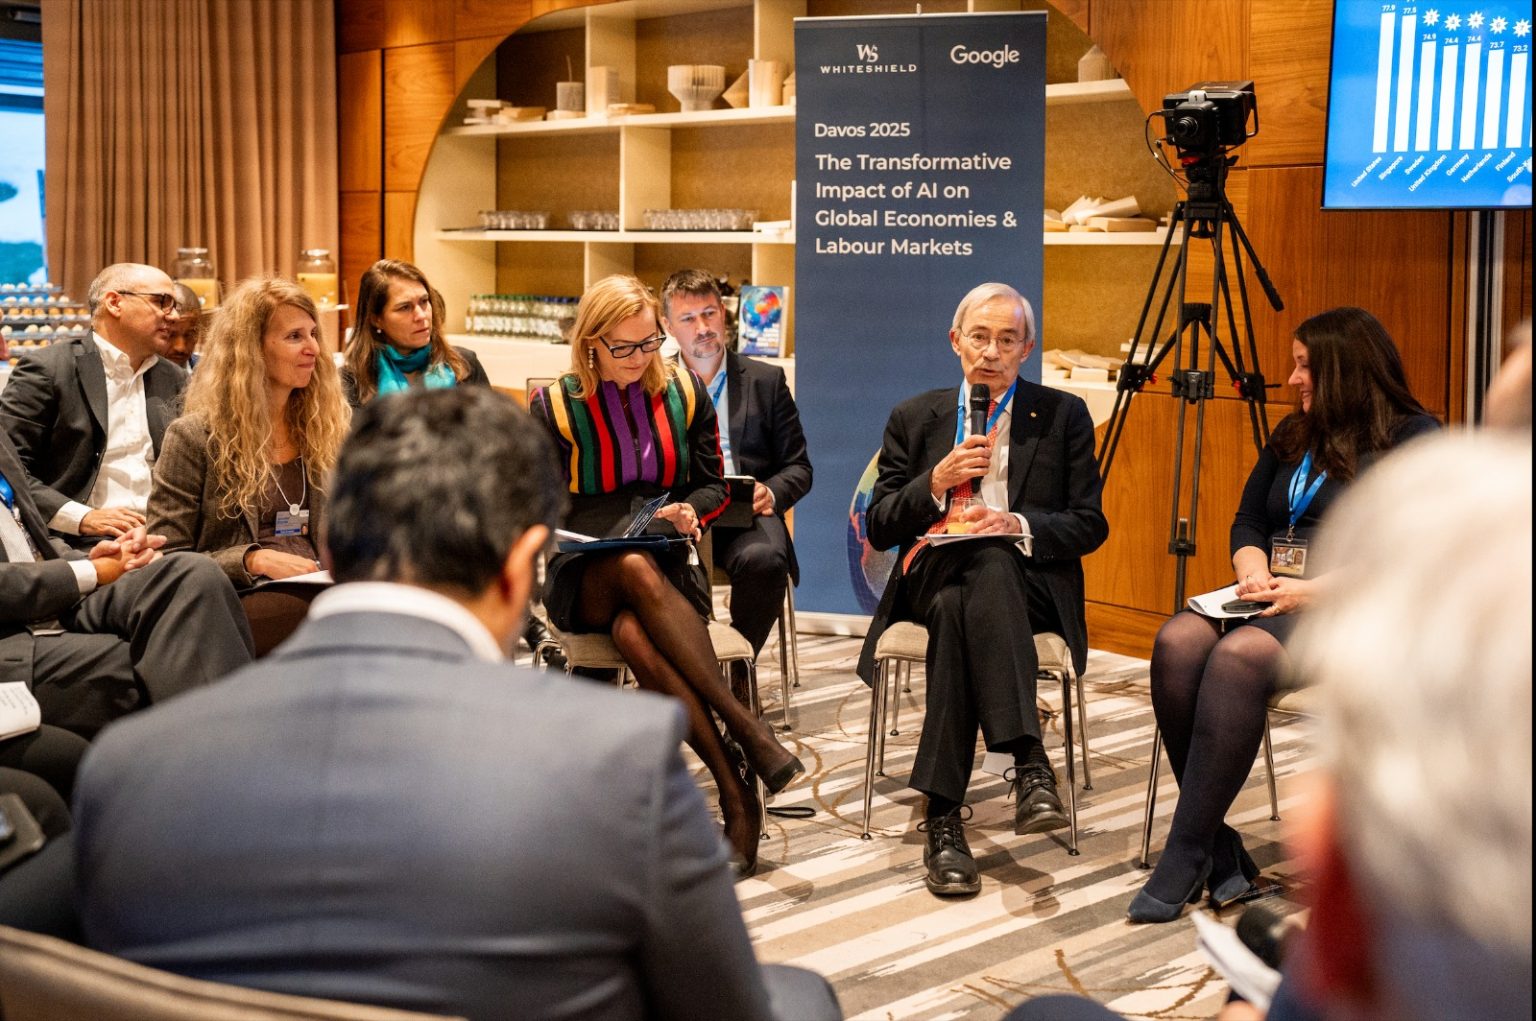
(868, 568)
(763, 310)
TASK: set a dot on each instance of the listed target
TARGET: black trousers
(981, 607)
(158, 631)
(757, 561)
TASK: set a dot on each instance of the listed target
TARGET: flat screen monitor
(1429, 105)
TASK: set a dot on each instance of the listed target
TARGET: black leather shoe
(1232, 870)
(951, 869)
(1039, 806)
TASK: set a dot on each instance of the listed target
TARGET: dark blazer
(1053, 480)
(35, 591)
(371, 814)
(183, 505)
(477, 376)
(767, 441)
(55, 409)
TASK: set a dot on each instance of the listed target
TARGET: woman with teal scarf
(398, 341)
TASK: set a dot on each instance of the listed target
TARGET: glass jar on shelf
(195, 270)
(317, 275)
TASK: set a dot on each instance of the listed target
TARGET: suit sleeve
(696, 958)
(901, 507)
(1077, 527)
(28, 409)
(176, 508)
(36, 591)
(791, 479)
(707, 494)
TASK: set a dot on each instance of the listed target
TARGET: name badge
(1288, 557)
(293, 521)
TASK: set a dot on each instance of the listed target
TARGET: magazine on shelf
(760, 314)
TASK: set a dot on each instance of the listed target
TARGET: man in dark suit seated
(383, 810)
(1036, 498)
(760, 437)
(87, 415)
(93, 633)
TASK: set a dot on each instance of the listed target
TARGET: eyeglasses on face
(646, 346)
(164, 302)
(1006, 343)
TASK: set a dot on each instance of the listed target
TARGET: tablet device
(738, 513)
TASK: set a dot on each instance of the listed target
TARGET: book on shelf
(760, 319)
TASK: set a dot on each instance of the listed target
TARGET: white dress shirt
(994, 484)
(720, 397)
(410, 601)
(126, 464)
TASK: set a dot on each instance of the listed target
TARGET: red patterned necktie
(970, 487)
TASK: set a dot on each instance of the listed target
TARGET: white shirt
(125, 474)
(18, 547)
(409, 601)
(720, 397)
(994, 484)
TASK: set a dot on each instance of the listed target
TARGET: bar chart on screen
(1430, 105)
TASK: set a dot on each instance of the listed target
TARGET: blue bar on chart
(1445, 87)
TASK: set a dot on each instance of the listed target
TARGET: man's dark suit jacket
(371, 814)
(767, 441)
(55, 410)
(1053, 480)
(35, 591)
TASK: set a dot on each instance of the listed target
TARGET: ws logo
(868, 54)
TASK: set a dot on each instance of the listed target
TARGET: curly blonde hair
(229, 394)
(606, 304)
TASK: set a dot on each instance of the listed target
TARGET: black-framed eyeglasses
(164, 302)
(645, 346)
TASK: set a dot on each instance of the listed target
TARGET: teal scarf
(392, 367)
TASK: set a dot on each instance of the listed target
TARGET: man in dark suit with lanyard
(760, 437)
(87, 415)
(1029, 484)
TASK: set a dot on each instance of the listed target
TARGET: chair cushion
(903, 640)
(1052, 652)
(1301, 701)
(728, 642)
(593, 650)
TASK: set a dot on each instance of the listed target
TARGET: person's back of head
(1423, 654)
(435, 487)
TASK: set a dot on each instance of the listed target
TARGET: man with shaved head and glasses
(1027, 487)
(87, 415)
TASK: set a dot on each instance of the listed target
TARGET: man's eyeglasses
(647, 345)
(164, 302)
(1006, 344)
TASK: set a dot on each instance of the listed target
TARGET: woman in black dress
(1211, 680)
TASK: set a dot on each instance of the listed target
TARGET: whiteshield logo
(868, 54)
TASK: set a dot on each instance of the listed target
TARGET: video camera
(1209, 118)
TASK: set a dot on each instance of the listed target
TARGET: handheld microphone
(1266, 933)
(981, 395)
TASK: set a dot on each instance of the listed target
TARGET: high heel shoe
(1147, 908)
(779, 767)
(743, 825)
(1232, 870)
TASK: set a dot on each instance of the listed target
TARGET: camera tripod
(1195, 346)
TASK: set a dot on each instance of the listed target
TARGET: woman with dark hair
(628, 428)
(398, 341)
(1211, 680)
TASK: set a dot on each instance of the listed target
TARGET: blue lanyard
(1300, 500)
(997, 412)
(717, 390)
(7, 493)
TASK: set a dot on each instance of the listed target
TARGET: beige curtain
(173, 123)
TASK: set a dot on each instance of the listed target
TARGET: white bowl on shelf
(696, 86)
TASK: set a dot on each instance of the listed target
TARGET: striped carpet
(857, 910)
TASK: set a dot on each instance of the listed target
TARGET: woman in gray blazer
(241, 474)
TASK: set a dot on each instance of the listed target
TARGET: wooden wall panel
(499, 18)
(1517, 268)
(467, 58)
(360, 120)
(418, 90)
(400, 225)
(1397, 265)
(359, 25)
(1163, 46)
(362, 237)
(1288, 62)
(413, 22)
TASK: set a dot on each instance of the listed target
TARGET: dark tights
(666, 644)
(1209, 692)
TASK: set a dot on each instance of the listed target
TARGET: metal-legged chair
(906, 643)
(789, 651)
(1294, 702)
